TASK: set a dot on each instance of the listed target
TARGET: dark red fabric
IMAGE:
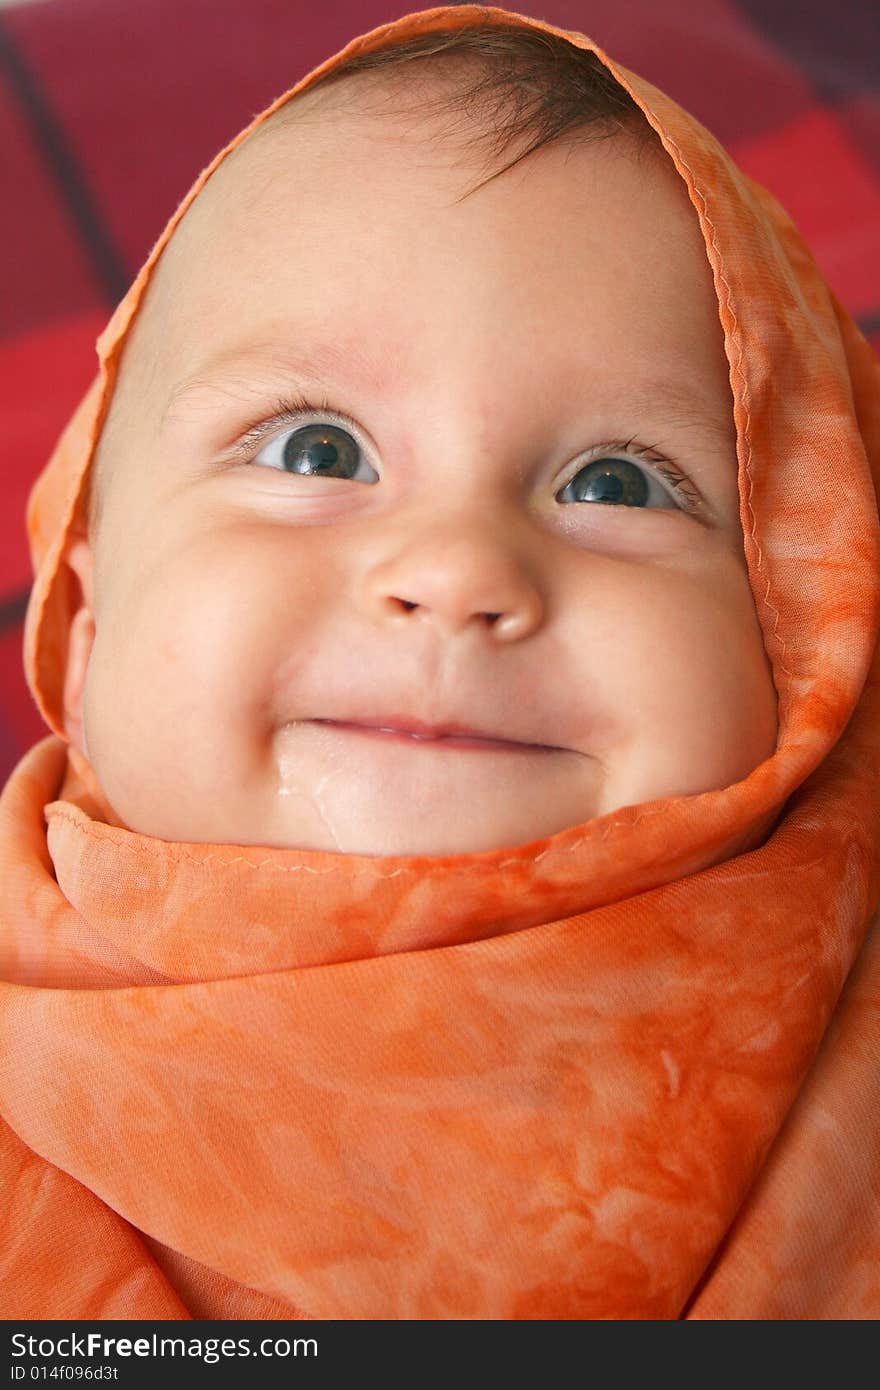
(108, 112)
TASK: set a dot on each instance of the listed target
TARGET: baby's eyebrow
(251, 372)
(679, 406)
(251, 369)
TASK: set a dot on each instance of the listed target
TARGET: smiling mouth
(447, 741)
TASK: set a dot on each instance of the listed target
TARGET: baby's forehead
(479, 110)
(359, 145)
(234, 243)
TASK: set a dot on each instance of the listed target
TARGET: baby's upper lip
(394, 722)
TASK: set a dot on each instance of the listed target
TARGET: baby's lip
(392, 723)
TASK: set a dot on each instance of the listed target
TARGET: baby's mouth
(447, 737)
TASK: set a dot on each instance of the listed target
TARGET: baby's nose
(455, 580)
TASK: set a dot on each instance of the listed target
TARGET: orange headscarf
(627, 1071)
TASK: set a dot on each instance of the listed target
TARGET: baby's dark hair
(508, 83)
(525, 85)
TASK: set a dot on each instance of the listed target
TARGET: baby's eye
(621, 482)
(320, 451)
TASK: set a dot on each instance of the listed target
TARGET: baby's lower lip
(495, 745)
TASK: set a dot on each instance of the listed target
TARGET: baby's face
(475, 530)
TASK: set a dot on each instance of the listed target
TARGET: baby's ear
(79, 560)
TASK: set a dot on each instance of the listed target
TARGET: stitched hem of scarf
(174, 851)
(784, 695)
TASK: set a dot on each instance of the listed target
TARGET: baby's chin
(366, 793)
(440, 831)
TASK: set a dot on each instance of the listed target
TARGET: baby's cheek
(164, 722)
(199, 643)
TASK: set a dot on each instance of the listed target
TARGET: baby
(457, 842)
(416, 525)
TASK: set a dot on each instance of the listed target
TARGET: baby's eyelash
(682, 485)
(289, 408)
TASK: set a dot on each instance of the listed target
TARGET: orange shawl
(628, 1071)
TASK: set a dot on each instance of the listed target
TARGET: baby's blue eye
(319, 451)
(599, 481)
